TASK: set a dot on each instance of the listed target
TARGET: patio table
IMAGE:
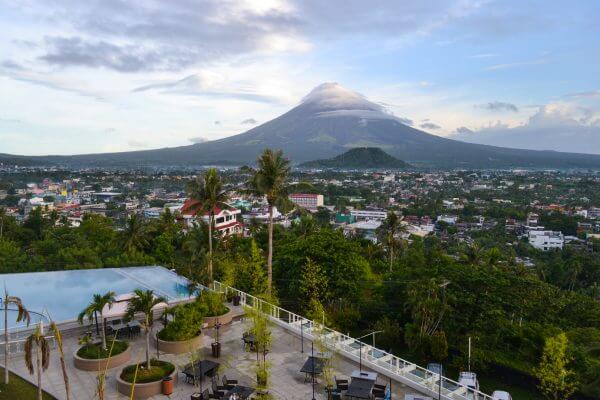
(313, 365)
(360, 388)
(199, 369)
(242, 391)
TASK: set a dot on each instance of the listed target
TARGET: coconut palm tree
(392, 226)
(269, 180)
(22, 315)
(134, 235)
(95, 308)
(208, 194)
(36, 342)
(63, 365)
(144, 302)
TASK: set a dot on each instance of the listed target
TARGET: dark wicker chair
(229, 383)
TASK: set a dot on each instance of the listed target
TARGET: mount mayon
(329, 121)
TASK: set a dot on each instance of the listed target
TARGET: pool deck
(288, 382)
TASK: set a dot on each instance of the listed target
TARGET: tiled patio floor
(285, 356)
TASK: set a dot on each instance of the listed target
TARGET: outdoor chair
(215, 395)
(229, 383)
(336, 396)
(218, 390)
(110, 331)
(205, 395)
(341, 384)
(135, 331)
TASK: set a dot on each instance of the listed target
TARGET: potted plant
(261, 330)
(184, 331)
(216, 311)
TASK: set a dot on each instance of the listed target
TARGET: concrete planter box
(85, 364)
(222, 319)
(143, 390)
(178, 347)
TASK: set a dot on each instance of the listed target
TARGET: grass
(489, 384)
(159, 369)
(19, 388)
(95, 351)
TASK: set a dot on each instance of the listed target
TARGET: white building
(307, 200)
(449, 219)
(367, 215)
(225, 221)
(546, 240)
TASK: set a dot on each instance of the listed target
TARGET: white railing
(393, 367)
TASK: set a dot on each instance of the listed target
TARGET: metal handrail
(392, 366)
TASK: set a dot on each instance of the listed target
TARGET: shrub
(158, 370)
(186, 324)
(213, 302)
(94, 351)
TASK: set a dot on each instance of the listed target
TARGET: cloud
(406, 121)
(136, 143)
(464, 130)
(499, 106)
(567, 127)
(484, 55)
(9, 64)
(217, 122)
(249, 121)
(429, 125)
(198, 139)
(206, 84)
(588, 94)
(504, 66)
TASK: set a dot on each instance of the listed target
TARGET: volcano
(329, 121)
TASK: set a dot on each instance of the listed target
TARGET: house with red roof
(225, 222)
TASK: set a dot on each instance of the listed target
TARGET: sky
(112, 75)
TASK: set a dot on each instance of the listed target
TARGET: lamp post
(312, 354)
(360, 347)
(302, 335)
(440, 382)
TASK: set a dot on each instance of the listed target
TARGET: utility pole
(469, 353)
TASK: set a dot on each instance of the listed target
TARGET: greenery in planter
(213, 301)
(261, 330)
(186, 323)
(94, 351)
(159, 369)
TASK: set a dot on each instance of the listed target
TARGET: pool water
(64, 294)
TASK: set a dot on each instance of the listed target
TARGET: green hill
(359, 157)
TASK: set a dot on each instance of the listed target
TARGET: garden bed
(148, 382)
(93, 358)
(222, 319)
(178, 346)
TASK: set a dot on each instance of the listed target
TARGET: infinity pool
(64, 294)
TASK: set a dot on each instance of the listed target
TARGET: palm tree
(134, 235)
(473, 254)
(22, 315)
(269, 180)
(95, 308)
(63, 365)
(36, 342)
(208, 194)
(392, 226)
(144, 302)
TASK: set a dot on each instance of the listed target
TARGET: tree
(63, 365)
(95, 308)
(388, 231)
(438, 346)
(22, 315)
(144, 302)
(208, 194)
(134, 235)
(269, 180)
(36, 342)
(313, 283)
(556, 380)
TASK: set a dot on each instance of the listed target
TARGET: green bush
(94, 351)
(186, 324)
(213, 301)
(158, 370)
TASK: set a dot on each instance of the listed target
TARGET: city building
(225, 219)
(366, 215)
(546, 240)
(307, 200)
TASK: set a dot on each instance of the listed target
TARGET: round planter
(86, 364)
(178, 347)
(221, 319)
(143, 390)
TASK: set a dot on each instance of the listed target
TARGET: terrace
(286, 357)
(292, 337)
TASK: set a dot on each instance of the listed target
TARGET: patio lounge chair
(215, 395)
(218, 390)
(341, 384)
(229, 383)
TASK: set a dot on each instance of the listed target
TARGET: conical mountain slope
(329, 121)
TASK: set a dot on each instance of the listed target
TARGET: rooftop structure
(307, 200)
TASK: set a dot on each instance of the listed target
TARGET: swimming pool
(64, 294)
